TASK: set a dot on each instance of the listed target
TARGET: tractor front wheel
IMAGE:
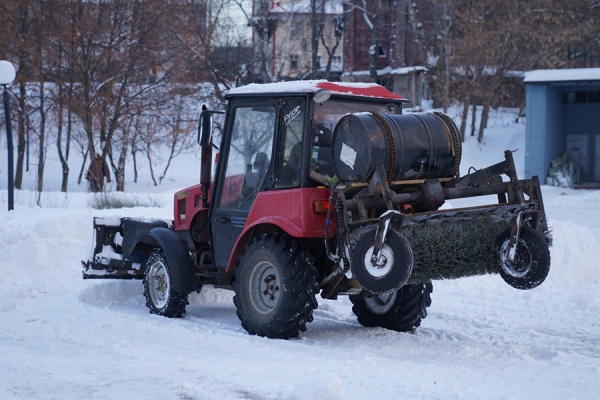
(400, 311)
(160, 297)
(275, 287)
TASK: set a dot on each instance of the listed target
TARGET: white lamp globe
(7, 72)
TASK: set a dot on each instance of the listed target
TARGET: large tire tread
(297, 301)
(404, 315)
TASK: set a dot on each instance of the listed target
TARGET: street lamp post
(7, 76)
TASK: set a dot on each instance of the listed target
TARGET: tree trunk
(374, 50)
(42, 142)
(483, 122)
(314, 38)
(59, 136)
(69, 136)
(420, 37)
(473, 119)
(133, 156)
(80, 177)
(263, 29)
(21, 143)
(135, 127)
(520, 112)
(120, 172)
(463, 118)
(148, 155)
(88, 127)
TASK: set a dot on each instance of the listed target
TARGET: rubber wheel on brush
(394, 270)
(531, 263)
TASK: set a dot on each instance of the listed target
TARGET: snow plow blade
(117, 244)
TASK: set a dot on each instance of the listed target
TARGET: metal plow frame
(378, 204)
(107, 256)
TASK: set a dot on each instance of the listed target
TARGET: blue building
(563, 115)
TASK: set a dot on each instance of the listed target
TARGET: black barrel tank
(411, 146)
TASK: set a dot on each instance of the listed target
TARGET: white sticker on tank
(348, 155)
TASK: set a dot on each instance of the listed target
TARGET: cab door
(245, 168)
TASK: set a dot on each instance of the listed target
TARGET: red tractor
(327, 188)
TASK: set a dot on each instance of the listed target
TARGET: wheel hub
(520, 265)
(264, 287)
(379, 267)
(386, 271)
(271, 287)
(381, 303)
(159, 284)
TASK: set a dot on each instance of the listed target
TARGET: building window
(319, 61)
(382, 51)
(294, 31)
(337, 60)
(582, 97)
(294, 61)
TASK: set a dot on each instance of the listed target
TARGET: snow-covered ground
(65, 338)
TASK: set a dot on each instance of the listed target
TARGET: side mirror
(205, 126)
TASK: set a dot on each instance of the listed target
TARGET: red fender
(292, 211)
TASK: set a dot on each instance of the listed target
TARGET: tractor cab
(277, 144)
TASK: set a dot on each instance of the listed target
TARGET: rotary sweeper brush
(395, 172)
(327, 188)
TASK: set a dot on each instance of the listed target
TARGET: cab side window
(290, 145)
(249, 156)
(320, 155)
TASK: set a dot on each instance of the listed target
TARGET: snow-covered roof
(312, 86)
(562, 75)
(304, 7)
(407, 70)
(388, 70)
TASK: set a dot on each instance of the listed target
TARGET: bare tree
(375, 14)
(263, 26)
(115, 43)
(338, 23)
(18, 23)
(491, 38)
(371, 17)
(432, 23)
(219, 34)
(91, 70)
(62, 97)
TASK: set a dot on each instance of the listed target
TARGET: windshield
(326, 117)
(329, 113)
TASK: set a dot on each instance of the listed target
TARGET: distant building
(286, 31)
(406, 81)
(395, 46)
(399, 65)
(292, 48)
(563, 115)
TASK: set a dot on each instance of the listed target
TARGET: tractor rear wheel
(160, 297)
(275, 287)
(400, 311)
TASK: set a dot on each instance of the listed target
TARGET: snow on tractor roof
(313, 86)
